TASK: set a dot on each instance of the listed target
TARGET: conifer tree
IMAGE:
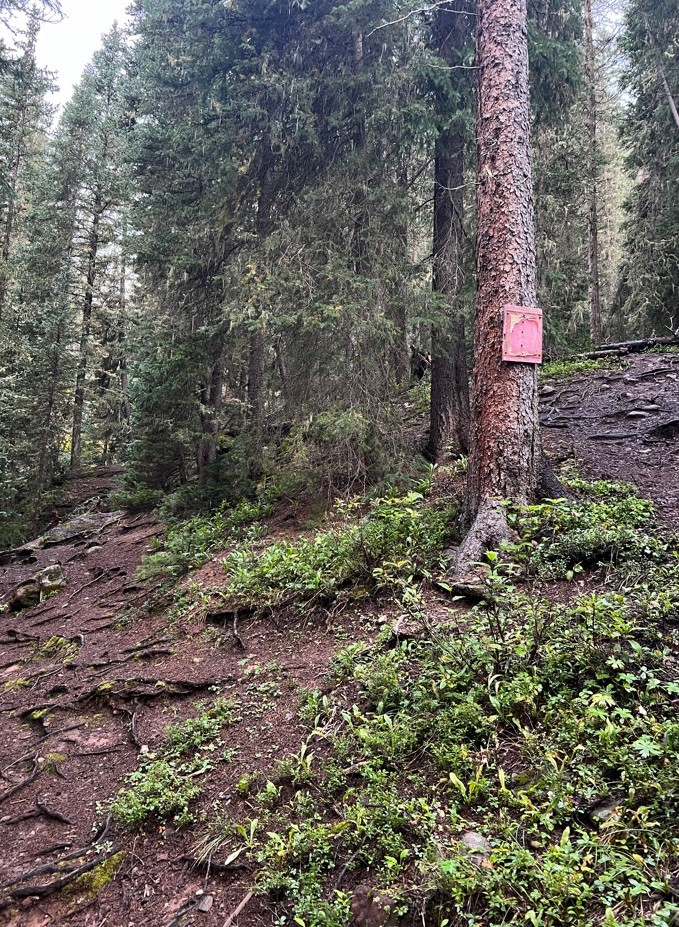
(505, 455)
(96, 115)
(652, 77)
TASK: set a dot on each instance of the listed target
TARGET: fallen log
(621, 348)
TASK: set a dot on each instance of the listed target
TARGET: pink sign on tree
(522, 335)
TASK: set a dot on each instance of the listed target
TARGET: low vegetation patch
(399, 540)
(564, 369)
(190, 544)
(167, 781)
(517, 766)
(607, 524)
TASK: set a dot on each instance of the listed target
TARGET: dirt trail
(95, 674)
(621, 424)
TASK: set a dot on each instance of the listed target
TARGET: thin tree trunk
(256, 378)
(505, 452)
(47, 444)
(125, 410)
(10, 217)
(661, 73)
(256, 357)
(592, 195)
(212, 402)
(282, 366)
(668, 92)
(81, 376)
(449, 421)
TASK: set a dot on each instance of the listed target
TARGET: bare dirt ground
(94, 675)
(621, 424)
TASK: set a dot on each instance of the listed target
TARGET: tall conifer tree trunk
(83, 358)
(592, 195)
(449, 424)
(504, 460)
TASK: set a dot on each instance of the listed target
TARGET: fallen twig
(183, 913)
(232, 917)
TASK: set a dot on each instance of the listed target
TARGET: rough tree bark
(505, 453)
(449, 422)
(592, 196)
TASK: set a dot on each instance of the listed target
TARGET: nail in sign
(522, 335)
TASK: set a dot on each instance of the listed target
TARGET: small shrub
(611, 526)
(141, 499)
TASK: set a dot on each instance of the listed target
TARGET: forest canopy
(243, 256)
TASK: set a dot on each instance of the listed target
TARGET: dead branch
(621, 348)
(183, 913)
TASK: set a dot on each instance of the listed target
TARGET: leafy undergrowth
(518, 766)
(166, 782)
(565, 368)
(399, 541)
(190, 544)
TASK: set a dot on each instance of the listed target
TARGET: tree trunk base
(489, 530)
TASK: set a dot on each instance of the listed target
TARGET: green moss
(57, 648)
(564, 369)
(15, 684)
(92, 883)
(52, 760)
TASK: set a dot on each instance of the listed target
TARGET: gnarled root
(549, 487)
(489, 530)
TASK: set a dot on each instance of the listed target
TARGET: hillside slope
(114, 675)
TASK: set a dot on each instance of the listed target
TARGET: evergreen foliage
(219, 265)
(652, 134)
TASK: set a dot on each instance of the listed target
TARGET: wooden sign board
(522, 335)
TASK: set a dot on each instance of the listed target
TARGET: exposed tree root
(18, 637)
(32, 776)
(107, 574)
(141, 654)
(549, 486)
(58, 616)
(27, 756)
(69, 868)
(40, 810)
(489, 530)
(121, 689)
